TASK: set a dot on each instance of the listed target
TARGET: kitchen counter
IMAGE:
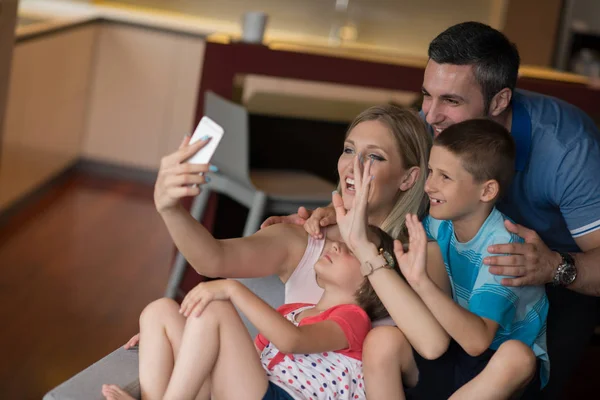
(49, 16)
(56, 15)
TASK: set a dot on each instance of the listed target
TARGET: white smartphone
(206, 127)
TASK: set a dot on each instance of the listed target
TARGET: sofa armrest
(119, 367)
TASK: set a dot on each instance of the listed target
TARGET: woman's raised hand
(177, 179)
(354, 222)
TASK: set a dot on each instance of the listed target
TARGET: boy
(497, 331)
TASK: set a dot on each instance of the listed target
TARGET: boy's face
(453, 193)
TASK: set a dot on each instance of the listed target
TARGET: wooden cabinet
(143, 95)
(112, 93)
(46, 109)
(534, 27)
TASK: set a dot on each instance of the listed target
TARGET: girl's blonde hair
(414, 143)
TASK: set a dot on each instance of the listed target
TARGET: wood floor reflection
(77, 267)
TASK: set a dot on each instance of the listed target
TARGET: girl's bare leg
(387, 356)
(161, 330)
(217, 345)
(509, 371)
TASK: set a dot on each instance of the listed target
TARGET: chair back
(233, 154)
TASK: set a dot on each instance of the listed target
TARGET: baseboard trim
(87, 166)
(35, 194)
(106, 169)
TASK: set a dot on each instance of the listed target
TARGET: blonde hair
(414, 143)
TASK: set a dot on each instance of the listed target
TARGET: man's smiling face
(450, 95)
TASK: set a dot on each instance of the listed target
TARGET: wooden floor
(77, 267)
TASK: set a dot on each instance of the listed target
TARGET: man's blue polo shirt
(556, 187)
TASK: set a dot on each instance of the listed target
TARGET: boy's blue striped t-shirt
(519, 311)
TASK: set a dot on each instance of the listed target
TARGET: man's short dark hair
(494, 58)
(485, 148)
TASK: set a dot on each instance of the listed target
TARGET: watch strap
(372, 265)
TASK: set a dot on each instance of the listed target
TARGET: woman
(395, 143)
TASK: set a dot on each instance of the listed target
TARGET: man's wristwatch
(382, 260)
(566, 273)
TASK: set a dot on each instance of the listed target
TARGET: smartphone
(206, 127)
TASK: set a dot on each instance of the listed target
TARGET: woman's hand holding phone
(182, 172)
(178, 178)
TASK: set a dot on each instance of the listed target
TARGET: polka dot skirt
(322, 376)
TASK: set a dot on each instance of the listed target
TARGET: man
(472, 73)
(555, 195)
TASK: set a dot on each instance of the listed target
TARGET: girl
(305, 350)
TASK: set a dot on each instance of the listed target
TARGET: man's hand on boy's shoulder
(530, 263)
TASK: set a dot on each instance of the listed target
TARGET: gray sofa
(121, 366)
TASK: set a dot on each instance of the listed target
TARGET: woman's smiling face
(377, 144)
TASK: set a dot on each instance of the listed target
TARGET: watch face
(389, 259)
(569, 273)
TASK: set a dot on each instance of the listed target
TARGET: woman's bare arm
(274, 250)
(271, 251)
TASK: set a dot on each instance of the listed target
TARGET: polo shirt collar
(521, 132)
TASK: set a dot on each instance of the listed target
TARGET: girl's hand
(299, 218)
(319, 218)
(177, 179)
(199, 297)
(354, 222)
(132, 342)
(413, 263)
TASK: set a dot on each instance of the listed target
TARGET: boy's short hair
(486, 149)
(366, 297)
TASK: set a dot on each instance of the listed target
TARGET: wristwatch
(382, 260)
(566, 273)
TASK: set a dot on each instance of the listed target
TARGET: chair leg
(199, 204)
(256, 213)
(180, 264)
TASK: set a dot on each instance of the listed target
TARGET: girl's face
(339, 266)
(375, 142)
